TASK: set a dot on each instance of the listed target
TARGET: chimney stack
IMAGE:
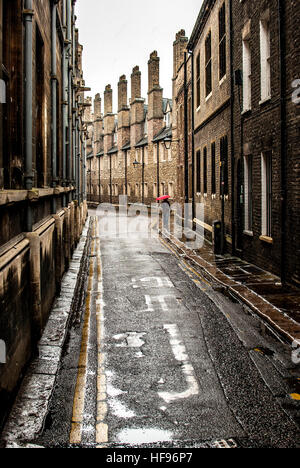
(135, 84)
(137, 107)
(179, 47)
(122, 93)
(108, 100)
(153, 71)
(155, 97)
(123, 113)
(97, 107)
(109, 118)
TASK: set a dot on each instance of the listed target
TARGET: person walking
(165, 204)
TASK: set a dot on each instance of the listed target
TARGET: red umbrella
(165, 197)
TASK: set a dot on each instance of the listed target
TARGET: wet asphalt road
(157, 358)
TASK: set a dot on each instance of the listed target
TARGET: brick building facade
(131, 153)
(42, 173)
(210, 47)
(242, 160)
(266, 129)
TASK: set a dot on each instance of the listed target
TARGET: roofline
(143, 142)
(160, 136)
(200, 23)
(112, 150)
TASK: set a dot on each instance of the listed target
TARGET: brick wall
(262, 132)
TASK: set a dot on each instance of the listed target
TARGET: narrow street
(149, 226)
(157, 358)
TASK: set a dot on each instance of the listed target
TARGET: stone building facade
(42, 170)
(234, 136)
(132, 153)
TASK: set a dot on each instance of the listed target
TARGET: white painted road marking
(155, 282)
(181, 355)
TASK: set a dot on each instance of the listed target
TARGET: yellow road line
(202, 280)
(196, 273)
(101, 426)
(79, 395)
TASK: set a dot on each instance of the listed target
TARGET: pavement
(277, 305)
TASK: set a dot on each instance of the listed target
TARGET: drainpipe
(158, 188)
(233, 224)
(110, 178)
(126, 190)
(143, 175)
(186, 147)
(54, 101)
(69, 129)
(77, 159)
(64, 104)
(99, 179)
(84, 170)
(283, 138)
(74, 149)
(193, 136)
(28, 14)
(70, 92)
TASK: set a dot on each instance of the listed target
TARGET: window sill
(246, 111)
(265, 101)
(198, 109)
(248, 233)
(266, 239)
(208, 97)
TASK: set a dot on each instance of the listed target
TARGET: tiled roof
(126, 146)
(163, 134)
(113, 150)
(142, 142)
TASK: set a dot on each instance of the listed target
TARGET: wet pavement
(156, 357)
(267, 285)
(278, 305)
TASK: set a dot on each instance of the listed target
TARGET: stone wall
(31, 269)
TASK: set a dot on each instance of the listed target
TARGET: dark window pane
(208, 65)
(222, 41)
(224, 165)
(198, 175)
(213, 168)
(205, 170)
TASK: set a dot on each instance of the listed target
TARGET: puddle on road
(144, 436)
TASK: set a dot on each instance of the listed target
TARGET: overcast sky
(119, 34)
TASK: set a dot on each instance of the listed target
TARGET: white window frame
(265, 207)
(265, 58)
(247, 95)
